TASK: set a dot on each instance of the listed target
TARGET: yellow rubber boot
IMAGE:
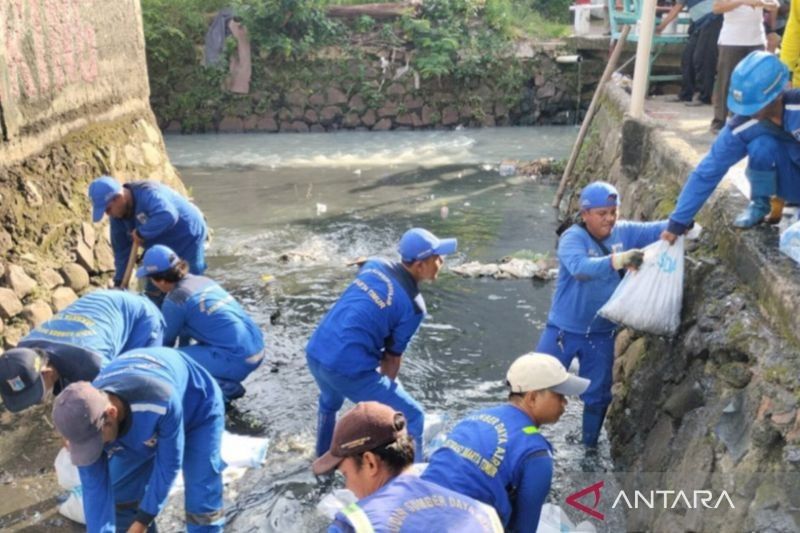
(776, 210)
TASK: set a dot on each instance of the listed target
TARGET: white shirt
(743, 26)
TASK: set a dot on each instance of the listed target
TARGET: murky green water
(297, 207)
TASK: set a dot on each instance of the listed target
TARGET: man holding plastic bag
(593, 256)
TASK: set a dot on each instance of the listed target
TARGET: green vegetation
(461, 40)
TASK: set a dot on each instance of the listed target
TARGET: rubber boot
(593, 416)
(326, 421)
(753, 214)
(776, 210)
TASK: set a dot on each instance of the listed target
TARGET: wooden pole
(587, 120)
(126, 277)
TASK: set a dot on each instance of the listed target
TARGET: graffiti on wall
(47, 46)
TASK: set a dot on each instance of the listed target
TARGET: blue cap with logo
(101, 191)
(418, 244)
(21, 384)
(157, 259)
(599, 194)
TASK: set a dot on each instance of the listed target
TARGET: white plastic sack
(72, 507)
(553, 519)
(790, 241)
(650, 299)
(240, 452)
(66, 472)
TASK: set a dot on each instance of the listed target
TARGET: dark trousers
(699, 61)
(729, 57)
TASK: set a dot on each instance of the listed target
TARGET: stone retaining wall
(373, 93)
(73, 105)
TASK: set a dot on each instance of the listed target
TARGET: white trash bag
(649, 299)
(790, 241)
(553, 519)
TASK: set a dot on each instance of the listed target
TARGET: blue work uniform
(160, 216)
(586, 280)
(229, 344)
(95, 329)
(376, 316)
(408, 504)
(773, 166)
(174, 422)
(497, 456)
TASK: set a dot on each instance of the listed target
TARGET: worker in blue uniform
(149, 414)
(593, 256)
(369, 328)
(227, 342)
(149, 213)
(75, 344)
(766, 128)
(372, 449)
(497, 455)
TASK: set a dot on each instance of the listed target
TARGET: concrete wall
(73, 105)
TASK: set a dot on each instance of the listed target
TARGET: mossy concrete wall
(73, 105)
(716, 406)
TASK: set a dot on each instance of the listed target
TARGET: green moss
(778, 374)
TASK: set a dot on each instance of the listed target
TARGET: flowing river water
(289, 211)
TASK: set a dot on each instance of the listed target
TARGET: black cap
(21, 384)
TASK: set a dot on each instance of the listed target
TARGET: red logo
(592, 511)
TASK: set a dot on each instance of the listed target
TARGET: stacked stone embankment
(716, 407)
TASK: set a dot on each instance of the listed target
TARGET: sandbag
(790, 241)
(649, 299)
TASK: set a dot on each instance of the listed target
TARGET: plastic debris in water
(467, 204)
(507, 169)
(267, 278)
(444, 212)
(357, 172)
(321, 208)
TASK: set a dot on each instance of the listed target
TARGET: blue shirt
(743, 136)
(199, 308)
(409, 504)
(498, 457)
(379, 312)
(586, 279)
(95, 329)
(166, 393)
(160, 216)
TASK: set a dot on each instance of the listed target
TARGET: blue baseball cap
(101, 191)
(599, 194)
(418, 244)
(157, 259)
(21, 384)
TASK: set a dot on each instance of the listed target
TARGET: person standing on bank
(75, 344)
(227, 342)
(593, 255)
(699, 58)
(149, 414)
(497, 455)
(742, 32)
(149, 213)
(372, 449)
(370, 327)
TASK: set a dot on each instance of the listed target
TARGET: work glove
(630, 259)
